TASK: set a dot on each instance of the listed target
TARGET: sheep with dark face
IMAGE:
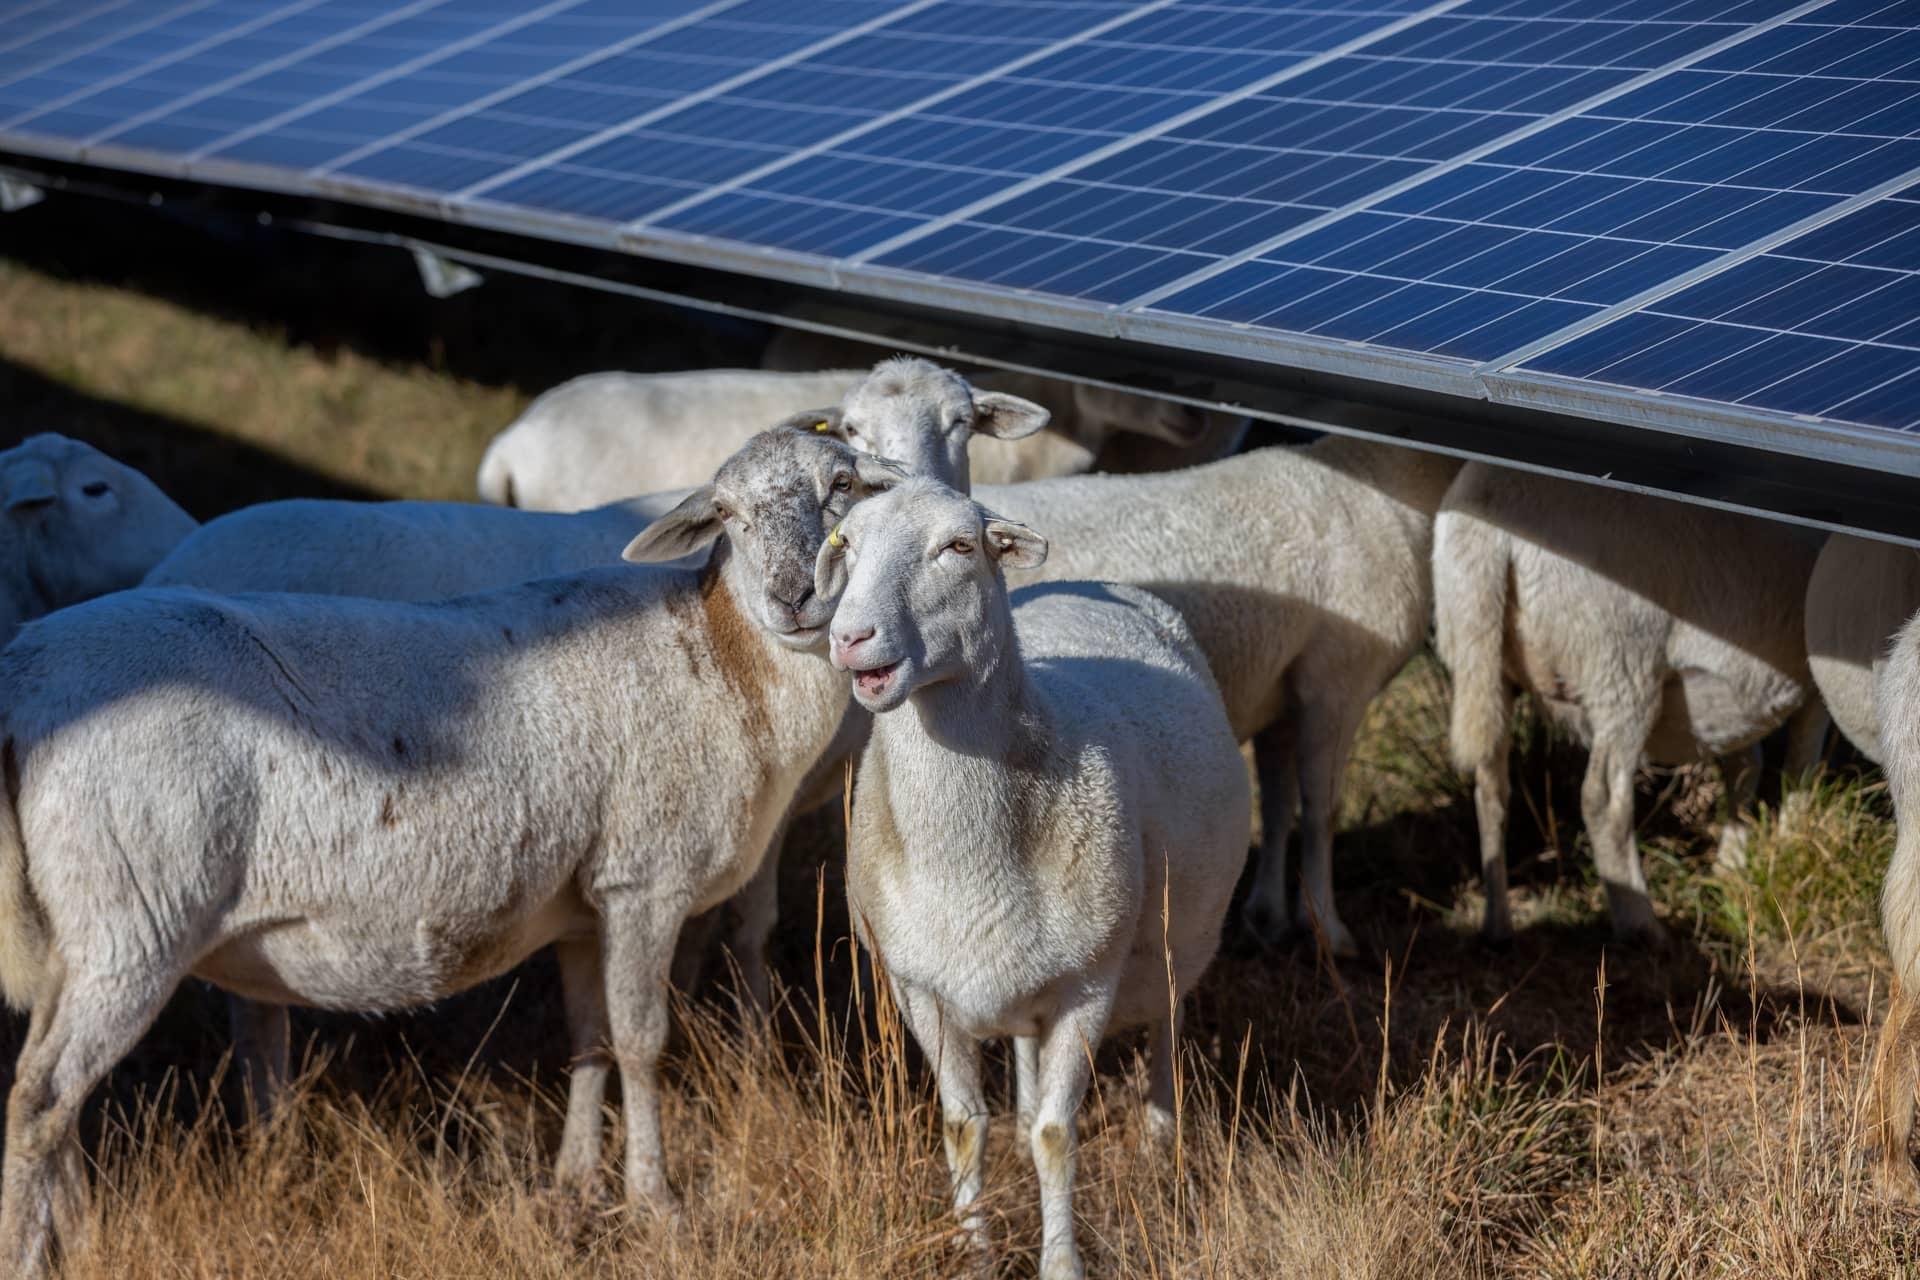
(365, 805)
(1047, 773)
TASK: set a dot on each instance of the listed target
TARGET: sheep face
(921, 600)
(84, 523)
(922, 415)
(775, 500)
(1113, 410)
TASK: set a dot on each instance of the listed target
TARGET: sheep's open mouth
(875, 681)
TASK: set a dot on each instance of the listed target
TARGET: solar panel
(1694, 214)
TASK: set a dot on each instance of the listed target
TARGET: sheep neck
(791, 700)
(988, 733)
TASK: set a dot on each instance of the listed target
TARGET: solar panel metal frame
(1499, 380)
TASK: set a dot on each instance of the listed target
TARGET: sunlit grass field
(1560, 1108)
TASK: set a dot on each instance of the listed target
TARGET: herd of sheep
(360, 756)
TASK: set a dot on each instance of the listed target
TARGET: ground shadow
(205, 472)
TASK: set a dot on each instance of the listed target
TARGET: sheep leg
(1026, 1077)
(1492, 789)
(1806, 740)
(1275, 760)
(1890, 1098)
(583, 985)
(1163, 1042)
(955, 1056)
(80, 1028)
(260, 1051)
(1326, 739)
(690, 953)
(1606, 805)
(1740, 772)
(638, 935)
(1066, 1065)
(757, 909)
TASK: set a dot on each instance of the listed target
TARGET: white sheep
(1649, 627)
(411, 551)
(1065, 775)
(1303, 572)
(1896, 1060)
(77, 524)
(1862, 591)
(367, 805)
(1092, 428)
(399, 550)
(608, 435)
(605, 436)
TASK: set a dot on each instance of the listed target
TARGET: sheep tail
(495, 480)
(23, 926)
(1470, 587)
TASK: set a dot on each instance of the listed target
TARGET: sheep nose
(29, 501)
(848, 639)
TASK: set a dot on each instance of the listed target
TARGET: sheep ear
(30, 482)
(683, 530)
(1006, 417)
(830, 566)
(877, 473)
(1014, 545)
(824, 422)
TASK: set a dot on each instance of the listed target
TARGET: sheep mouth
(875, 681)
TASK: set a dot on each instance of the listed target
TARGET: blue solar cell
(1293, 166)
(1824, 317)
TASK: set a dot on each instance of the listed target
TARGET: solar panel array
(1702, 215)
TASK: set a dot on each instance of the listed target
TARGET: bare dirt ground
(1560, 1108)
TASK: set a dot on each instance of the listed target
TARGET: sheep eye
(725, 513)
(94, 488)
(842, 483)
(961, 546)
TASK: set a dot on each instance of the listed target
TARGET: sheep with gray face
(1646, 626)
(77, 524)
(366, 805)
(1862, 592)
(1062, 772)
(607, 435)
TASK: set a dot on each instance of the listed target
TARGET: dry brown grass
(1562, 1109)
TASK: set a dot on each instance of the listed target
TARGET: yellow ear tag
(834, 539)
(822, 425)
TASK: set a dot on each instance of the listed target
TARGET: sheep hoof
(1499, 941)
(1264, 926)
(1896, 1182)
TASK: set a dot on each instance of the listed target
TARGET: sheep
(412, 551)
(1303, 571)
(1861, 592)
(365, 805)
(1896, 1059)
(1066, 775)
(1187, 436)
(607, 435)
(1647, 626)
(78, 524)
(399, 550)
